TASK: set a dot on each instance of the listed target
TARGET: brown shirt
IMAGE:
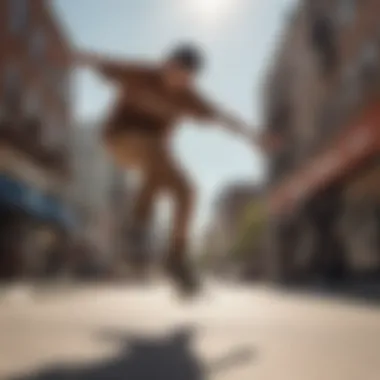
(147, 105)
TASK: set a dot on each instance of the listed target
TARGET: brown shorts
(134, 149)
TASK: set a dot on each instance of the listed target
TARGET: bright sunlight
(211, 11)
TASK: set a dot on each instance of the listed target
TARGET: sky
(239, 38)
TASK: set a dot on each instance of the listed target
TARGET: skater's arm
(234, 125)
(204, 110)
(112, 69)
(264, 141)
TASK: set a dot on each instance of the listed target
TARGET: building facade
(35, 132)
(322, 95)
(226, 227)
(102, 197)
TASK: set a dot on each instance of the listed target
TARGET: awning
(350, 150)
(18, 195)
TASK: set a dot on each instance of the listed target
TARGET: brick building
(322, 97)
(35, 118)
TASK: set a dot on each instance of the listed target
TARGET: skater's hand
(87, 59)
(266, 142)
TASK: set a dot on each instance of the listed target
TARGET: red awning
(359, 142)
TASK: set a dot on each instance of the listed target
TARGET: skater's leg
(132, 150)
(183, 195)
(182, 192)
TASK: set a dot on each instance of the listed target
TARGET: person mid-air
(153, 99)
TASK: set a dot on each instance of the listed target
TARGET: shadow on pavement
(167, 358)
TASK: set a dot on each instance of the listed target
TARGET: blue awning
(17, 194)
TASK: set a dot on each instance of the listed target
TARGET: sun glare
(211, 11)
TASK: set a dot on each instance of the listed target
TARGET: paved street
(230, 333)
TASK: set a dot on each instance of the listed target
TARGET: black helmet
(188, 56)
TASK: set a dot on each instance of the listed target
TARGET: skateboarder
(152, 100)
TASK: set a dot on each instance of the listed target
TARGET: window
(53, 132)
(351, 94)
(49, 127)
(369, 61)
(38, 44)
(60, 84)
(323, 39)
(3, 114)
(32, 103)
(369, 67)
(65, 86)
(18, 15)
(10, 90)
(11, 79)
(346, 11)
(350, 84)
(12, 87)
(370, 55)
(326, 120)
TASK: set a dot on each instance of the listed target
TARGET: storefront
(344, 173)
(32, 223)
(358, 144)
